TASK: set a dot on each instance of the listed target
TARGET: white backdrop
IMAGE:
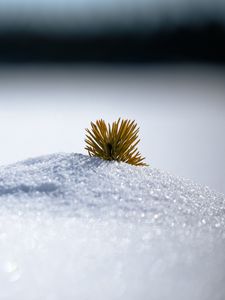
(180, 110)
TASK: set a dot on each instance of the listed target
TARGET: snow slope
(75, 227)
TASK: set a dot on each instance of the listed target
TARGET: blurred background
(65, 63)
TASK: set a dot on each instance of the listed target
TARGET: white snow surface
(75, 227)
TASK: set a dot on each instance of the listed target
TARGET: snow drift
(75, 227)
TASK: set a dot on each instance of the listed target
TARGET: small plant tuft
(114, 142)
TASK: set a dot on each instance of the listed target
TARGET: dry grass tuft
(114, 142)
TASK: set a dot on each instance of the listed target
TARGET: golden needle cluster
(114, 142)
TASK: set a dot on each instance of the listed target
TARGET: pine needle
(114, 142)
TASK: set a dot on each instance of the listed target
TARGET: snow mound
(75, 227)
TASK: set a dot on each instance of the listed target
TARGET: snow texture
(75, 227)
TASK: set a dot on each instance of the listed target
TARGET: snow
(75, 227)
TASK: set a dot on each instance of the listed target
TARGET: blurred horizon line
(187, 43)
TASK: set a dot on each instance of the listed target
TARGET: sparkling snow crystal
(75, 227)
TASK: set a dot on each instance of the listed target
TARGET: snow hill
(75, 227)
